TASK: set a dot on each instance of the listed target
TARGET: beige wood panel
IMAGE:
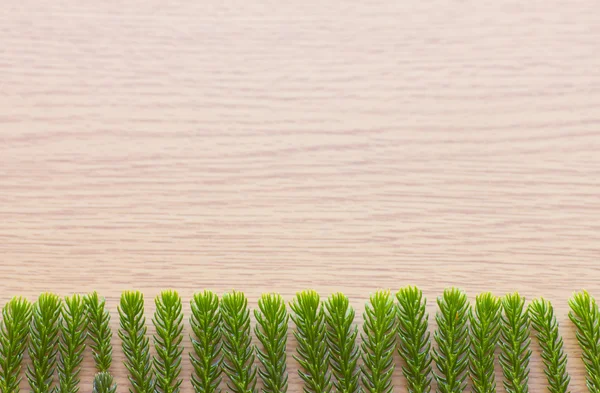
(282, 145)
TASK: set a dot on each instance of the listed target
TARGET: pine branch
(14, 333)
(271, 330)
(310, 333)
(544, 323)
(341, 341)
(514, 343)
(452, 338)
(168, 321)
(585, 316)
(135, 343)
(206, 341)
(99, 331)
(484, 334)
(104, 383)
(379, 337)
(43, 343)
(72, 343)
(414, 343)
(237, 343)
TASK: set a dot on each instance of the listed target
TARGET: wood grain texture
(281, 145)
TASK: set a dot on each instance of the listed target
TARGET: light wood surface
(283, 145)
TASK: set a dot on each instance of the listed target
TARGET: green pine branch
(135, 343)
(237, 343)
(378, 346)
(452, 338)
(72, 343)
(514, 344)
(326, 336)
(414, 344)
(104, 383)
(310, 333)
(544, 323)
(99, 331)
(585, 316)
(206, 342)
(484, 334)
(14, 333)
(43, 343)
(341, 341)
(168, 322)
(271, 330)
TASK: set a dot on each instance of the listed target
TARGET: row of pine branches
(55, 333)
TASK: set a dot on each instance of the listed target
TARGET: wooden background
(282, 145)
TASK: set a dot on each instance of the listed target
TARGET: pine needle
(585, 316)
(168, 322)
(206, 341)
(237, 343)
(271, 330)
(544, 323)
(310, 333)
(378, 346)
(341, 341)
(514, 343)
(14, 333)
(414, 343)
(452, 338)
(43, 343)
(72, 343)
(99, 331)
(135, 343)
(484, 334)
(104, 383)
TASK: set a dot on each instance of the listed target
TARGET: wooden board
(282, 145)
